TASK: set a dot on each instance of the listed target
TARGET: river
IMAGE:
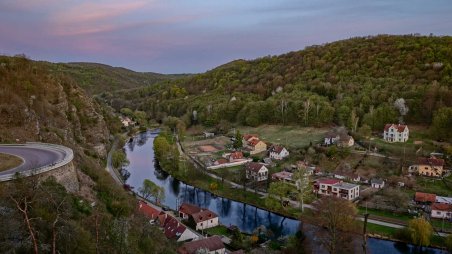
(140, 153)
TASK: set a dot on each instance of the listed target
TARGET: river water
(140, 153)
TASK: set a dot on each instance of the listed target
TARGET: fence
(68, 157)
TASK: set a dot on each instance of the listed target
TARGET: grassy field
(381, 230)
(9, 161)
(291, 136)
(437, 186)
(218, 230)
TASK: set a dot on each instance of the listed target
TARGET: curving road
(33, 157)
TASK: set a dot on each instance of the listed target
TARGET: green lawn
(381, 230)
(291, 136)
(398, 216)
(432, 185)
(218, 230)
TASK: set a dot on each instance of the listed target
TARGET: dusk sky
(185, 36)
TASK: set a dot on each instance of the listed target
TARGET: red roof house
(147, 210)
(213, 244)
(425, 197)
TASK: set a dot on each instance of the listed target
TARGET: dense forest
(96, 78)
(366, 81)
(41, 216)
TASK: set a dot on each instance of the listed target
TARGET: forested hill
(96, 78)
(100, 217)
(345, 82)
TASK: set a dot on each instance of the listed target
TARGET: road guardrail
(68, 157)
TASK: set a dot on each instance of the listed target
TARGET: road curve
(33, 157)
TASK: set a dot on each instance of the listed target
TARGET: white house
(334, 187)
(201, 217)
(377, 183)
(205, 219)
(440, 210)
(256, 171)
(396, 133)
(278, 152)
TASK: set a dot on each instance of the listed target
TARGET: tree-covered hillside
(41, 216)
(351, 82)
(96, 78)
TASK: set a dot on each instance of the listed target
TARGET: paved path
(33, 157)
(109, 168)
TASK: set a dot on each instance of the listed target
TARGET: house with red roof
(174, 229)
(249, 137)
(424, 198)
(278, 152)
(256, 171)
(235, 156)
(441, 211)
(336, 187)
(212, 244)
(148, 211)
(396, 133)
(428, 167)
(200, 218)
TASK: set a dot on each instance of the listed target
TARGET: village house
(212, 244)
(208, 134)
(396, 133)
(428, 167)
(443, 200)
(278, 152)
(126, 121)
(235, 156)
(338, 137)
(424, 198)
(249, 137)
(349, 176)
(441, 211)
(335, 187)
(377, 183)
(172, 228)
(220, 161)
(283, 176)
(256, 171)
(201, 218)
(256, 146)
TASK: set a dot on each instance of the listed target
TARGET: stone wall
(65, 175)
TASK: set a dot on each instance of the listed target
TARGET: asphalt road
(33, 157)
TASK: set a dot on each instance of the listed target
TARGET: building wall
(441, 214)
(221, 251)
(428, 170)
(187, 235)
(207, 224)
(396, 136)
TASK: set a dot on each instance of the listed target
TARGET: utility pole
(366, 215)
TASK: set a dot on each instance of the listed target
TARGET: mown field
(291, 136)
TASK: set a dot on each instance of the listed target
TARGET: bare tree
(337, 217)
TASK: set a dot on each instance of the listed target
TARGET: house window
(211, 221)
(438, 212)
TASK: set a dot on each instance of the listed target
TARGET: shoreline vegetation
(185, 172)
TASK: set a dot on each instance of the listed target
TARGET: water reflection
(143, 165)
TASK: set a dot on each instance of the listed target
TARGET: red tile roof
(147, 210)
(276, 149)
(189, 209)
(236, 155)
(254, 166)
(249, 136)
(222, 161)
(425, 197)
(172, 227)
(328, 181)
(211, 243)
(204, 215)
(431, 161)
(442, 207)
(254, 142)
(399, 127)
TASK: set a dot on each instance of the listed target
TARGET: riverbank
(166, 153)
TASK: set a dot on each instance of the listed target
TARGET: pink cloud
(88, 18)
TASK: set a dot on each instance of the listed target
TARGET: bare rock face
(100, 150)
